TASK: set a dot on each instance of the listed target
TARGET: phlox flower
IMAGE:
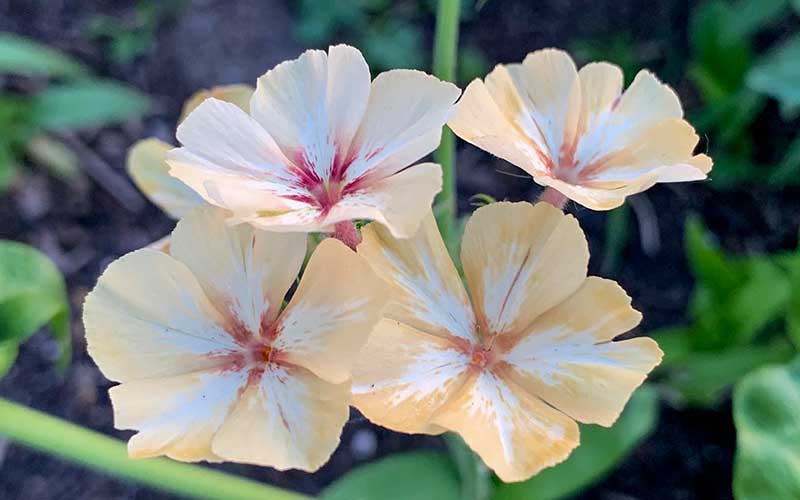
(514, 368)
(321, 144)
(147, 159)
(210, 365)
(577, 132)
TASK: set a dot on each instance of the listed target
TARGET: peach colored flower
(320, 145)
(147, 159)
(514, 368)
(577, 132)
(211, 366)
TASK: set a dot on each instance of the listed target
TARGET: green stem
(445, 50)
(71, 442)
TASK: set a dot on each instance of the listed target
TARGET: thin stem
(347, 233)
(553, 197)
(71, 442)
(445, 50)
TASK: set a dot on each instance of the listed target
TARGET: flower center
(481, 357)
(267, 354)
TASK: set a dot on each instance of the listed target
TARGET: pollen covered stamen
(480, 357)
(266, 353)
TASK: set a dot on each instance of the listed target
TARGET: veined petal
(338, 302)
(148, 317)
(147, 166)
(313, 105)
(403, 122)
(596, 198)
(176, 416)
(519, 261)
(404, 376)
(426, 290)
(514, 433)
(567, 357)
(290, 420)
(246, 272)
(237, 94)
(399, 202)
(601, 86)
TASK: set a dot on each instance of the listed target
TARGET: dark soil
(211, 42)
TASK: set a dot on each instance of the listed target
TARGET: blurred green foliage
(32, 294)
(744, 315)
(63, 97)
(765, 411)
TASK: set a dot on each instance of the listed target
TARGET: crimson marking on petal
(237, 329)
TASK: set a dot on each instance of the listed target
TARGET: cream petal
(567, 357)
(599, 198)
(426, 290)
(246, 272)
(148, 317)
(404, 376)
(176, 416)
(290, 420)
(399, 202)
(147, 166)
(480, 121)
(313, 105)
(514, 433)
(237, 94)
(403, 122)
(601, 86)
(338, 302)
(519, 261)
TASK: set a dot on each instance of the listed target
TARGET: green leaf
(84, 104)
(766, 411)
(52, 154)
(750, 16)
(23, 56)
(676, 344)
(702, 378)
(8, 354)
(475, 476)
(32, 294)
(708, 263)
(418, 476)
(761, 299)
(778, 74)
(600, 451)
(616, 239)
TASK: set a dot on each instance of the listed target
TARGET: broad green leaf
(778, 74)
(703, 377)
(417, 476)
(475, 477)
(766, 411)
(762, 298)
(710, 266)
(600, 451)
(23, 56)
(84, 104)
(32, 295)
(791, 263)
(8, 354)
(675, 342)
(750, 16)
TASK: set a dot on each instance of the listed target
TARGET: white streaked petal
(176, 416)
(426, 289)
(404, 376)
(290, 420)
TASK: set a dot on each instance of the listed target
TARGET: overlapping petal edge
(514, 368)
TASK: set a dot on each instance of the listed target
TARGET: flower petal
(176, 416)
(147, 166)
(404, 376)
(601, 86)
(232, 162)
(403, 122)
(566, 357)
(519, 261)
(426, 290)
(514, 433)
(338, 302)
(313, 105)
(399, 202)
(237, 94)
(148, 317)
(244, 271)
(290, 420)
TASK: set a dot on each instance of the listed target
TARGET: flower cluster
(214, 364)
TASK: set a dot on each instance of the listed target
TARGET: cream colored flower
(577, 132)
(320, 145)
(514, 368)
(147, 159)
(211, 367)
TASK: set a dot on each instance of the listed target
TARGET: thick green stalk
(445, 50)
(71, 442)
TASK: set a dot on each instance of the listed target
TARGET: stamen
(267, 353)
